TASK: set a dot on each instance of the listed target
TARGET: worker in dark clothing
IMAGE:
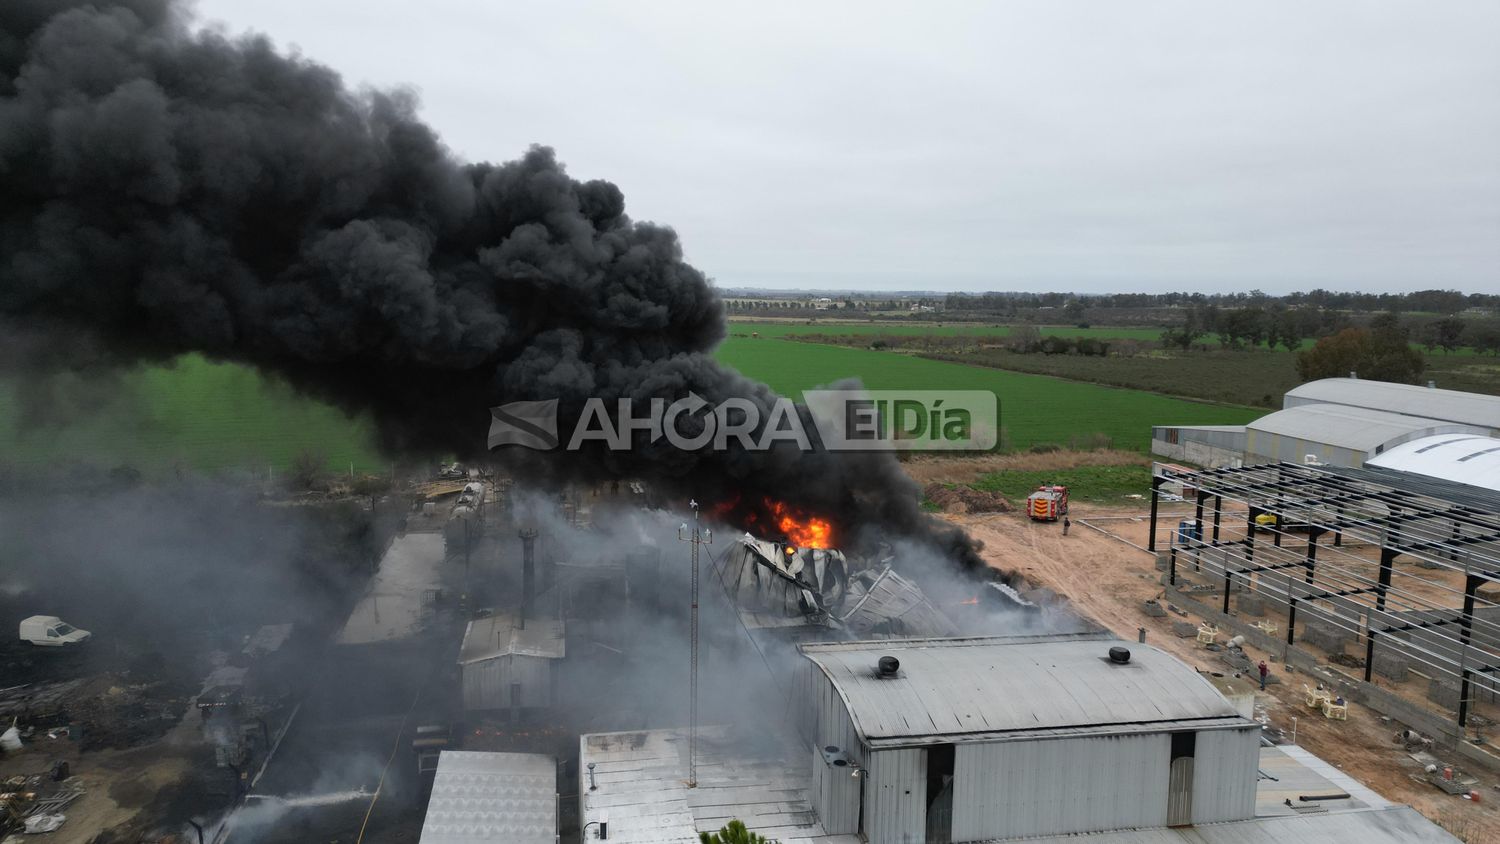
(1264, 670)
(1067, 523)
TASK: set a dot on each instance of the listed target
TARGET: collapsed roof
(774, 585)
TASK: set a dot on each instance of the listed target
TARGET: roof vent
(887, 667)
(1119, 656)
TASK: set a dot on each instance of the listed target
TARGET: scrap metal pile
(781, 586)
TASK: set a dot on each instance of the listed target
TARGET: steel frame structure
(1439, 524)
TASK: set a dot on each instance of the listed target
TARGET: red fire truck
(1048, 504)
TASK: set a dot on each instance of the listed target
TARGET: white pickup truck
(49, 631)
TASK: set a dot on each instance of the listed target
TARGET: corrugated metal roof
(1392, 825)
(1462, 458)
(640, 787)
(392, 607)
(490, 798)
(487, 638)
(983, 686)
(1447, 405)
(1356, 428)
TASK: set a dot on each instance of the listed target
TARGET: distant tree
(1483, 337)
(1181, 337)
(1446, 334)
(1055, 345)
(307, 469)
(1247, 325)
(1075, 311)
(1024, 338)
(1091, 347)
(1379, 355)
(1390, 323)
(371, 487)
(734, 833)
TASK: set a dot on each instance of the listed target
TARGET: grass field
(1034, 409)
(198, 414)
(745, 327)
(1258, 378)
(219, 416)
(1101, 484)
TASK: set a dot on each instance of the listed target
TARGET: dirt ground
(1106, 580)
(118, 783)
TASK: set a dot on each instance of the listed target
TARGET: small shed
(507, 663)
(492, 798)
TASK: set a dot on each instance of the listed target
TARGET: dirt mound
(965, 499)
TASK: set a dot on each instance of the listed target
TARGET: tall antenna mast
(695, 538)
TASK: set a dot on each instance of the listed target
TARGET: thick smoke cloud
(166, 191)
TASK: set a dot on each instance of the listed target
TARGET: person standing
(1264, 670)
(1067, 523)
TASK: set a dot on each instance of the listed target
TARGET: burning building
(816, 592)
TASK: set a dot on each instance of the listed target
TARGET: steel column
(1156, 482)
(1386, 556)
(1466, 631)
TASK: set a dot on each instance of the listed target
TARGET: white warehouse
(1345, 422)
(951, 747)
(1034, 738)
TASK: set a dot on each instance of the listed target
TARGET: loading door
(1180, 780)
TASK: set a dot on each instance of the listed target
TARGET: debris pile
(34, 803)
(103, 711)
(959, 498)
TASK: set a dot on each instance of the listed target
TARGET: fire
(804, 532)
(777, 518)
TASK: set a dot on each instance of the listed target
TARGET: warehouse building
(984, 739)
(1337, 435)
(1454, 406)
(1470, 460)
(507, 663)
(1336, 422)
(953, 744)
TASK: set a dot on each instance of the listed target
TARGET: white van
(51, 632)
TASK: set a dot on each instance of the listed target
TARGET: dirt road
(1106, 580)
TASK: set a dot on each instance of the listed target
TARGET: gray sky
(1097, 147)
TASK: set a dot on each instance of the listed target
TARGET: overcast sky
(1096, 147)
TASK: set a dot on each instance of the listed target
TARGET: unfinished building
(1389, 572)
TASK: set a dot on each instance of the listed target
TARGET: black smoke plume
(165, 190)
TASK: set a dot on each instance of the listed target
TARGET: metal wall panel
(1224, 775)
(487, 684)
(896, 796)
(835, 792)
(1060, 786)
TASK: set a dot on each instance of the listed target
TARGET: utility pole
(695, 538)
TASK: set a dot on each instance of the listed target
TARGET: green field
(197, 414)
(745, 327)
(1033, 408)
(1104, 484)
(219, 416)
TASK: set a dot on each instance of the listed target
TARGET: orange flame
(805, 532)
